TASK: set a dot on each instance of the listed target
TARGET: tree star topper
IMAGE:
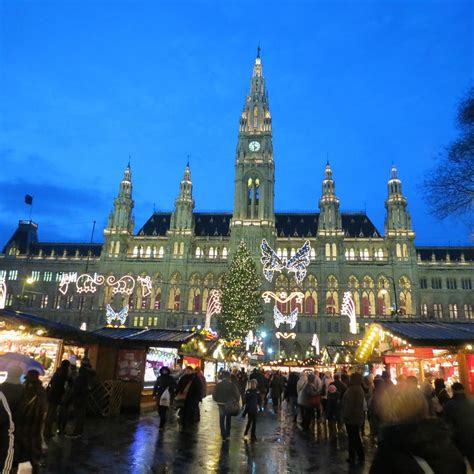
(296, 264)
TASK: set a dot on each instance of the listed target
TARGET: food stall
(47, 342)
(444, 349)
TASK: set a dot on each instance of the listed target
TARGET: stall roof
(155, 336)
(50, 328)
(431, 332)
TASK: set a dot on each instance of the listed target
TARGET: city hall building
(185, 254)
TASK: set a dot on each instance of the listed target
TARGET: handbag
(165, 398)
(232, 408)
(180, 398)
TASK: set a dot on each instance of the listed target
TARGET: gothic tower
(121, 222)
(330, 231)
(181, 226)
(253, 216)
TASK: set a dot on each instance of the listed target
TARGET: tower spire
(330, 222)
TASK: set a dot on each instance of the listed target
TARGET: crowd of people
(31, 414)
(416, 427)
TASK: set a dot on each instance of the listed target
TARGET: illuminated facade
(166, 270)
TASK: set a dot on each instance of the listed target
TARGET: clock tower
(253, 217)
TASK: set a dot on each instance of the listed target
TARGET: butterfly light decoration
(112, 316)
(280, 318)
(296, 264)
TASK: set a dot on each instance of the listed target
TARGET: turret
(182, 217)
(330, 223)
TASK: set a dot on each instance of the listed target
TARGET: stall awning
(150, 337)
(47, 328)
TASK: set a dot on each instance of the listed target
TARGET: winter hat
(332, 389)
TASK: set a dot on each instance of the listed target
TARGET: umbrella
(25, 363)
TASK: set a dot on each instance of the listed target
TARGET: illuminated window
(47, 276)
(59, 276)
(224, 252)
(211, 252)
(9, 300)
(161, 252)
(146, 302)
(69, 301)
(135, 251)
(468, 314)
(35, 275)
(13, 275)
(181, 248)
(3, 273)
(398, 249)
(57, 302)
(424, 310)
(438, 310)
(148, 252)
(453, 311)
(313, 253)
(44, 301)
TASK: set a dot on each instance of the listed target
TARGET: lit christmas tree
(241, 305)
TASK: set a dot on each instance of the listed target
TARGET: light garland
(88, 284)
(296, 264)
(111, 316)
(285, 335)
(282, 297)
(280, 318)
(124, 285)
(3, 292)
(348, 309)
(249, 340)
(214, 306)
(66, 280)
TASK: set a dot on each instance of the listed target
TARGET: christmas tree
(241, 298)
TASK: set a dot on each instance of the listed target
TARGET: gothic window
(211, 252)
(157, 304)
(310, 302)
(332, 301)
(436, 283)
(181, 248)
(175, 248)
(255, 117)
(257, 191)
(383, 297)
(145, 302)
(161, 252)
(313, 253)
(379, 254)
(398, 251)
(131, 301)
(117, 247)
(198, 252)
(423, 283)
(453, 310)
(405, 296)
(364, 254)
(44, 301)
(224, 253)
(405, 251)
(285, 253)
(334, 251)
(69, 301)
(328, 251)
(451, 283)
(466, 284)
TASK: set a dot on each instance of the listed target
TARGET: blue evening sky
(85, 84)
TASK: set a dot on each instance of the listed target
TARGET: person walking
(243, 379)
(413, 442)
(251, 409)
(29, 422)
(353, 415)
(441, 396)
(276, 388)
(190, 392)
(333, 410)
(54, 394)
(458, 413)
(79, 397)
(291, 395)
(227, 397)
(310, 400)
(163, 393)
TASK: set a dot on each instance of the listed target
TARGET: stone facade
(186, 252)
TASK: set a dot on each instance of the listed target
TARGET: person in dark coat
(189, 414)
(79, 397)
(164, 382)
(309, 392)
(243, 379)
(225, 393)
(441, 393)
(11, 394)
(29, 422)
(411, 442)
(261, 386)
(354, 416)
(251, 410)
(54, 394)
(291, 394)
(459, 415)
(276, 387)
(333, 410)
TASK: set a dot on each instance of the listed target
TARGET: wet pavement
(133, 444)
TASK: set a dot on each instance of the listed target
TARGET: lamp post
(395, 306)
(27, 281)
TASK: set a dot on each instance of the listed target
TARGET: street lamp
(27, 281)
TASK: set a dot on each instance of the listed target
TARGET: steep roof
(288, 224)
(441, 253)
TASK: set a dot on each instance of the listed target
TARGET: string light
(348, 309)
(214, 306)
(88, 284)
(280, 318)
(146, 285)
(112, 316)
(285, 335)
(282, 297)
(3, 292)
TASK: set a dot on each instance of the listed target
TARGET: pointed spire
(393, 172)
(258, 50)
(328, 172)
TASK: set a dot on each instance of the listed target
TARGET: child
(251, 408)
(333, 410)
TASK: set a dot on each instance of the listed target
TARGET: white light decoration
(249, 340)
(83, 327)
(258, 348)
(88, 284)
(282, 297)
(214, 306)
(315, 343)
(124, 285)
(146, 285)
(3, 292)
(285, 335)
(280, 318)
(348, 309)
(296, 264)
(66, 280)
(112, 316)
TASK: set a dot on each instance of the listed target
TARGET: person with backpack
(163, 392)
(227, 397)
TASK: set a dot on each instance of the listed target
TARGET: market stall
(444, 349)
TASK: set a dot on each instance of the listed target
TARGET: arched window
(383, 297)
(117, 247)
(161, 252)
(157, 304)
(334, 250)
(285, 253)
(255, 117)
(328, 251)
(181, 248)
(453, 310)
(175, 248)
(379, 254)
(224, 252)
(398, 251)
(177, 300)
(332, 300)
(198, 252)
(310, 302)
(148, 252)
(292, 252)
(211, 252)
(135, 251)
(405, 298)
(405, 251)
(313, 253)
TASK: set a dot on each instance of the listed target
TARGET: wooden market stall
(442, 348)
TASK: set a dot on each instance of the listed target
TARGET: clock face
(254, 146)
